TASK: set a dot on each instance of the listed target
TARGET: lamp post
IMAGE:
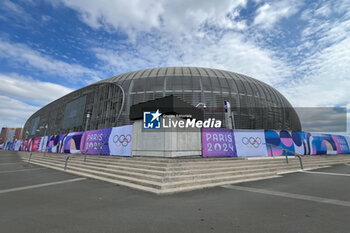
(27, 133)
(86, 125)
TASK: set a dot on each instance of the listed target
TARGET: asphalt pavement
(37, 199)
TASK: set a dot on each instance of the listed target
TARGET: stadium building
(254, 104)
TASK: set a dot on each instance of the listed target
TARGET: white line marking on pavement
(40, 185)
(290, 195)
(326, 173)
(9, 163)
(23, 170)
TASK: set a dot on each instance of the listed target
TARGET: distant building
(10, 134)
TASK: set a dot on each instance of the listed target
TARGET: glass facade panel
(196, 83)
(174, 83)
(224, 85)
(206, 82)
(215, 84)
(138, 85)
(187, 83)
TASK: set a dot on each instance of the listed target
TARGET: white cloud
(126, 15)
(10, 6)
(270, 13)
(25, 55)
(324, 43)
(20, 87)
(184, 15)
(231, 52)
(14, 113)
(326, 78)
(16, 11)
(179, 35)
(323, 74)
(174, 17)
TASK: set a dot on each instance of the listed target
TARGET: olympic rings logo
(122, 140)
(252, 142)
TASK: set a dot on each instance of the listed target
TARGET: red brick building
(9, 134)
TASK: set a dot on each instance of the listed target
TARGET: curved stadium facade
(254, 104)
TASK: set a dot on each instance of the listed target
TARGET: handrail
(85, 154)
(66, 162)
(288, 151)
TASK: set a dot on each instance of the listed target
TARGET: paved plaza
(38, 199)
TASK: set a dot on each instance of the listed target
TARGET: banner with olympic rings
(215, 142)
(120, 140)
(250, 143)
(108, 141)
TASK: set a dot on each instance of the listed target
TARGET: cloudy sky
(51, 47)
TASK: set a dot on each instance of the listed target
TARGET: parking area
(38, 199)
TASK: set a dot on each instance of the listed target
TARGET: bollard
(286, 155)
(271, 151)
(99, 150)
(30, 157)
(301, 162)
(66, 162)
(85, 155)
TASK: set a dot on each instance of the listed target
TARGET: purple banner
(96, 141)
(72, 143)
(341, 144)
(218, 143)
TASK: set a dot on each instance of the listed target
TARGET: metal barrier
(286, 154)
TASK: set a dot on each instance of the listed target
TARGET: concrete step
(189, 169)
(189, 172)
(208, 181)
(173, 177)
(129, 179)
(135, 175)
(110, 180)
(166, 176)
(176, 166)
(137, 160)
(160, 167)
(154, 186)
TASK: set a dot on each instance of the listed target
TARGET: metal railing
(30, 157)
(67, 157)
(85, 154)
(286, 154)
(66, 161)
